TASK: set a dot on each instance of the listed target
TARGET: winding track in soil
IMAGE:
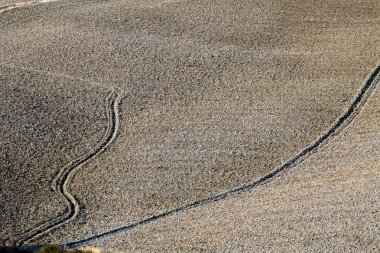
(353, 110)
(61, 182)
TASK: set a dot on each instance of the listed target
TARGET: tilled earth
(215, 94)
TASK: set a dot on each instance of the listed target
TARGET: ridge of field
(11, 5)
(216, 93)
(4, 3)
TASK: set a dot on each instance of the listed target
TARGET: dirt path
(356, 106)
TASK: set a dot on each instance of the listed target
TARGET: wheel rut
(344, 121)
(62, 180)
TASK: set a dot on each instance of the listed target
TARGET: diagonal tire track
(353, 110)
(61, 182)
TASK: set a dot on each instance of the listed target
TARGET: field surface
(190, 125)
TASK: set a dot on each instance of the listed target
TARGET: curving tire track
(356, 106)
(61, 182)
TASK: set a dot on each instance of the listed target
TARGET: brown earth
(216, 95)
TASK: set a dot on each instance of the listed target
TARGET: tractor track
(344, 121)
(61, 182)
